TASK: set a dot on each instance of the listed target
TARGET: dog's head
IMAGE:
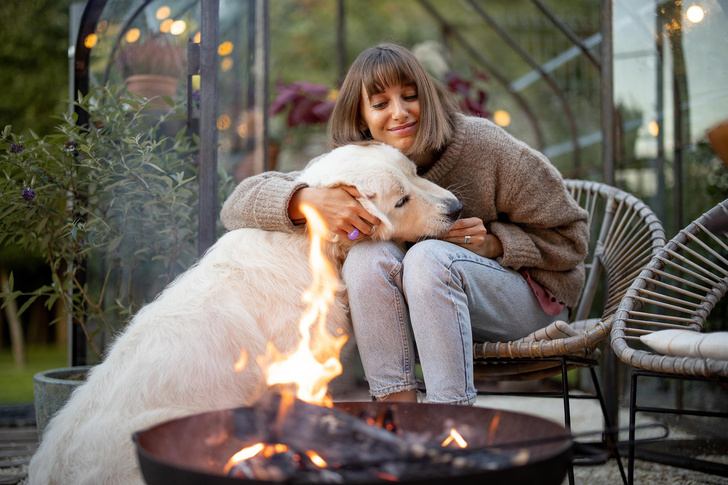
(410, 207)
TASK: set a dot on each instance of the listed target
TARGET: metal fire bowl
(193, 450)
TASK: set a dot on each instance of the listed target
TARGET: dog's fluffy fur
(176, 356)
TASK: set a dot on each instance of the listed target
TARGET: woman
(511, 265)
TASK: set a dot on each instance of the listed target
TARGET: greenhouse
(182, 109)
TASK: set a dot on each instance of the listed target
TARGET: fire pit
(502, 446)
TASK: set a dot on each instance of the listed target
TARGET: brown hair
(388, 65)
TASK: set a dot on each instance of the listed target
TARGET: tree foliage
(34, 60)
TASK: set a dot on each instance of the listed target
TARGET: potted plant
(111, 207)
(152, 66)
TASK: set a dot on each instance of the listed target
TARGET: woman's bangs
(385, 71)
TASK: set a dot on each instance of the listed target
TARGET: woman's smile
(404, 129)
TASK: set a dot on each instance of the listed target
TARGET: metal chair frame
(625, 235)
(678, 289)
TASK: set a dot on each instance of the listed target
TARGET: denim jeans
(440, 296)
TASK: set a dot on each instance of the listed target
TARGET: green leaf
(149, 203)
(51, 300)
(27, 304)
(42, 224)
(155, 167)
(114, 244)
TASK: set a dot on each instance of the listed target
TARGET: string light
(132, 35)
(177, 27)
(90, 40)
(502, 118)
(653, 128)
(166, 25)
(695, 14)
(163, 12)
(225, 49)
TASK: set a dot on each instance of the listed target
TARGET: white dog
(176, 356)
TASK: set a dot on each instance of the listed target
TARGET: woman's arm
(271, 200)
(540, 224)
(262, 202)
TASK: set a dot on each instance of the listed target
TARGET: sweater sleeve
(542, 226)
(261, 202)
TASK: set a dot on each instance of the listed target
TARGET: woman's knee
(369, 262)
(427, 261)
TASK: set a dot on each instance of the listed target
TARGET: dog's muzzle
(454, 209)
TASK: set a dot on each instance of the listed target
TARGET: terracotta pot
(718, 138)
(52, 388)
(152, 86)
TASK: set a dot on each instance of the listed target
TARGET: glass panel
(142, 45)
(145, 38)
(551, 112)
(671, 86)
(548, 97)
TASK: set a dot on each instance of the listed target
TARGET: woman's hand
(338, 208)
(471, 234)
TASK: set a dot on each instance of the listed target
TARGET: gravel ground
(585, 417)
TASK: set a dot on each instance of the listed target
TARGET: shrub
(111, 206)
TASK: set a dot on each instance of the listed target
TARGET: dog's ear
(384, 230)
(366, 194)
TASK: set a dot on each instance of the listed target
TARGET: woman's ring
(354, 234)
(467, 240)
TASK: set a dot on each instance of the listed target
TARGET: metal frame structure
(210, 8)
(204, 65)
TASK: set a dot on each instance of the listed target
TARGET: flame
(316, 361)
(455, 436)
(310, 369)
(494, 426)
(279, 448)
(244, 454)
(316, 459)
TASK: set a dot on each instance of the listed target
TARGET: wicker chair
(625, 233)
(678, 289)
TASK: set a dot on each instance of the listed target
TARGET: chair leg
(567, 409)
(632, 416)
(609, 435)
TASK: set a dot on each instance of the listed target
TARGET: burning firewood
(327, 445)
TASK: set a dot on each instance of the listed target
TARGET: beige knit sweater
(514, 189)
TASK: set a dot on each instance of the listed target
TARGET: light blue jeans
(440, 296)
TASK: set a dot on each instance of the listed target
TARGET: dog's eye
(402, 201)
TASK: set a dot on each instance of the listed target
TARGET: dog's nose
(454, 209)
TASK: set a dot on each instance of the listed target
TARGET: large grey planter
(52, 388)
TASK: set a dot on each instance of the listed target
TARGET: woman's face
(392, 116)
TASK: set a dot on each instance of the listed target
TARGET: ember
(455, 438)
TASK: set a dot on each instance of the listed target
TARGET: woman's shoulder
(482, 136)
